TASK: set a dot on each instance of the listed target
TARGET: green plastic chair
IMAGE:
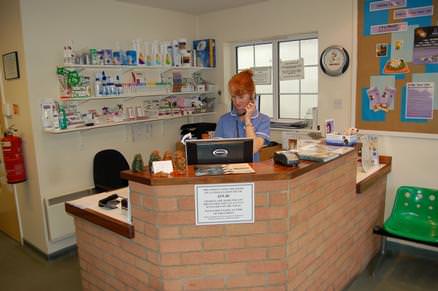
(415, 214)
(414, 218)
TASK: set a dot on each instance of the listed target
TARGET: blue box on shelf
(205, 52)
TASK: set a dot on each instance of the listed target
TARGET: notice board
(397, 66)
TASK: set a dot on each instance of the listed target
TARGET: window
(289, 99)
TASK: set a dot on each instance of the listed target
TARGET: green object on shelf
(73, 78)
(60, 70)
(137, 163)
(415, 214)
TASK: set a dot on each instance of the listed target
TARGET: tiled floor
(400, 271)
(22, 269)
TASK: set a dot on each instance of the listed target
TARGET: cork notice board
(397, 69)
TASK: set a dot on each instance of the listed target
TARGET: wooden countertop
(364, 184)
(264, 171)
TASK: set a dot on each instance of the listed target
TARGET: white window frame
(275, 68)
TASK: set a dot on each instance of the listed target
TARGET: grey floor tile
(399, 272)
(22, 269)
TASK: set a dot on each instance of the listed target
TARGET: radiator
(60, 224)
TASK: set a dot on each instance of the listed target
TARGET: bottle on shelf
(68, 53)
(110, 86)
(63, 122)
(168, 56)
(148, 53)
(156, 57)
(97, 86)
(118, 86)
(104, 90)
(175, 53)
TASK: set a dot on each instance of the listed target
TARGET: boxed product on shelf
(176, 81)
(49, 114)
(151, 108)
(210, 103)
(199, 104)
(81, 91)
(205, 52)
(341, 139)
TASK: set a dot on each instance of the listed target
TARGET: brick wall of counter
(313, 232)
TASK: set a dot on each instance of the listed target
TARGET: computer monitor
(219, 151)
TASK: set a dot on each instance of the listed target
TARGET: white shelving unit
(134, 95)
(163, 69)
(126, 122)
(146, 93)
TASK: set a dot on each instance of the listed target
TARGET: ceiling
(195, 7)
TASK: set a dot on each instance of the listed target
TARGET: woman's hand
(250, 109)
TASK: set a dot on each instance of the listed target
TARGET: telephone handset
(251, 100)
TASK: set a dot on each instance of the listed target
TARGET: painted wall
(414, 161)
(16, 92)
(284, 18)
(414, 157)
(64, 162)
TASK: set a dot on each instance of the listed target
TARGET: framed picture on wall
(10, 66)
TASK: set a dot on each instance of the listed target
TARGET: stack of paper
(321, 152)
(223, 169)
(242, 168)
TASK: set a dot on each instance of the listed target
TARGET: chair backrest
(107, 165)
(416, 201)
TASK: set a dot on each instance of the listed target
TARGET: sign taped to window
(292, 70)
(262, 75)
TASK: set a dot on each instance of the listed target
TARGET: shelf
(135, 67)
(110, 124)
(133, 95)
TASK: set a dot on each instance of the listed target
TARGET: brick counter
(310, 232)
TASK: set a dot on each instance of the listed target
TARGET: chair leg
(380, 256)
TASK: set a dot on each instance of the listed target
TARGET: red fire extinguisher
(13, 157)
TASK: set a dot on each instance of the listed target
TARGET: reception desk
(311, 231)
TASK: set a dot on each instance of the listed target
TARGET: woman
(244, 120)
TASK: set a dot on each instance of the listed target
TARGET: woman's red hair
(242, 83)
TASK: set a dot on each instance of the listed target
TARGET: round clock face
(334, 60)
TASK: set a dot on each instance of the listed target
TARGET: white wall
(414, 162)
(64, 162)
(283, 18)
(414, 159)
(16, 92)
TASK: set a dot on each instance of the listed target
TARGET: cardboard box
(205, 52)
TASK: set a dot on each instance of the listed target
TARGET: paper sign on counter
(224, 203)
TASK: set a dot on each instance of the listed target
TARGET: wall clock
(334, 60)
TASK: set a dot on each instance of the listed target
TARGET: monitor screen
(219, 151)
